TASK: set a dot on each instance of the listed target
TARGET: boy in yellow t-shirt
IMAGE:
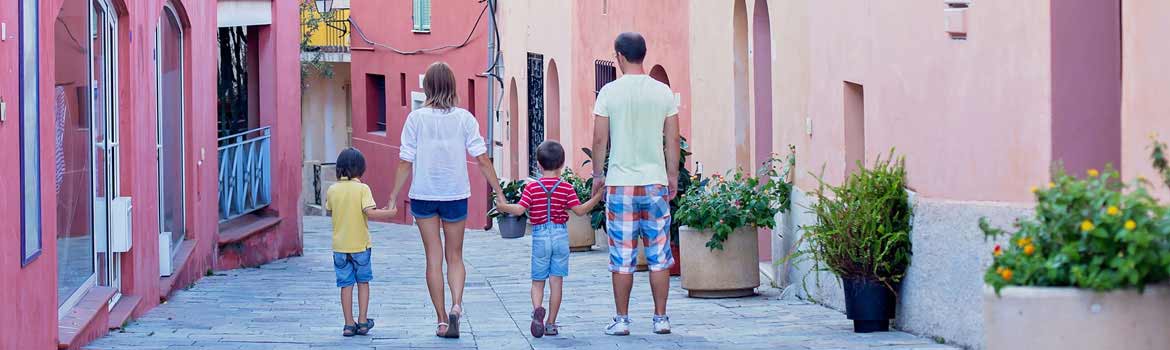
(351, 204)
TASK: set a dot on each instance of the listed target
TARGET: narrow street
(292, 304)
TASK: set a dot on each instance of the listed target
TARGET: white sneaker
(661, 324)
(620, 326)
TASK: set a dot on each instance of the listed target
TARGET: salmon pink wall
(1145, 106)
(390, 23)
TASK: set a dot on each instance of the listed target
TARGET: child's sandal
(364, 328)
(441, 331)
(349, 330)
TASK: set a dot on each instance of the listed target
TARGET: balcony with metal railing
(325, 36)
(245, 173)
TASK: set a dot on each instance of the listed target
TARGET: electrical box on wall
(121, 234)
(955, 18)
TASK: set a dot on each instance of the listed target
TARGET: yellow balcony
(328, 32)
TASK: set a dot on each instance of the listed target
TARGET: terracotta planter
(1071, 318)
(512, 226)
(581, 235)
(728, 273)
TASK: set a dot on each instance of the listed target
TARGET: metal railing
(245, 172)
(331, 33)
(317, 181)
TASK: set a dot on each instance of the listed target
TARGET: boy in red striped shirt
(548, 202)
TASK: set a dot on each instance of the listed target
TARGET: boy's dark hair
(631, 45)
(350, 164)
(550, 155)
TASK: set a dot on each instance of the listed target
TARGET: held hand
(598, 184)
(673, 188)
(393, 205)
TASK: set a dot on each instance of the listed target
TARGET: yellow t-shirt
(348, 200)
(637, 107)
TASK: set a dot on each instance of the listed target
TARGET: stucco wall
(1145, 73)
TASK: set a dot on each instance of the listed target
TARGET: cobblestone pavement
(293, 304)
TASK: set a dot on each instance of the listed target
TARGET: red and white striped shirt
(536, 200)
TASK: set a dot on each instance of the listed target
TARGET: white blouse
(435, 141)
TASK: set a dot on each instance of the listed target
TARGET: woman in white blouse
(436, 140)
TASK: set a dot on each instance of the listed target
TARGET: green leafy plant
(863, 226)
(1161, 165)
(1092, 233)
(582, 186)
(513, 190)
(597, 216)
(313, 61)
(724, 205)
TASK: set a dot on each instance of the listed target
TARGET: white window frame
(31, 237)
(422, 16)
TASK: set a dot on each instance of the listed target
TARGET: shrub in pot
(719, 218)
(511, 226)
(1088, 270)
(581, 237)
(862, 235)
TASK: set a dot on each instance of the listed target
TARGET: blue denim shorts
(550, 251)
(449, 211)
(352, 268)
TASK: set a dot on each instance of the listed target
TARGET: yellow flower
(1093, 172)
(1023, 242)
(1034, 189)
(1086, 225)
(1051, 184)
(1006, 274)
(1130, 225)
(999, 270)
(1113, 210)
(1029, 249)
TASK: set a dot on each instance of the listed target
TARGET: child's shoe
(537, 326)
(551, 329)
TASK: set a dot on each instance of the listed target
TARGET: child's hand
(391, 209)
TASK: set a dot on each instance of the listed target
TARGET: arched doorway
(740, 91)
(762, 78)
(658, 73)
(552, 104)
(535, 109)
(514, 131)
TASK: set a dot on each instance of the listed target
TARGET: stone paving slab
(293, 304)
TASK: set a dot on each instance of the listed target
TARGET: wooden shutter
(426, 15)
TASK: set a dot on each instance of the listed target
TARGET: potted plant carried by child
(581, 234)
(1087, 271)
(511, 226)
(719, 221)
(862, 235)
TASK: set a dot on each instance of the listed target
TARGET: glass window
(30, 209)
(171, 135)
(74, 142)
(422, 15)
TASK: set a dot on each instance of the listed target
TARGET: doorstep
(123, 309)
(77, 327)
(241, 228)
(167, 284)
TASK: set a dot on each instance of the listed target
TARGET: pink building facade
(108, 103)
(387, 85)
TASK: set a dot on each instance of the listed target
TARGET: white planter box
(1069, 318)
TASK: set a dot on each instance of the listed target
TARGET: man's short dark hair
(550, 155)
(350, 164)
(631, 45)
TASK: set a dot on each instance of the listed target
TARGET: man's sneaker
(661, 324)
(620, 326)
(537, 326)
(551, 329)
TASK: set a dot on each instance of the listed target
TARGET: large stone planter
(1070, 318)
(581, 235)
(728, 273)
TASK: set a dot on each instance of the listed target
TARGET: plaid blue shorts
(634, 212)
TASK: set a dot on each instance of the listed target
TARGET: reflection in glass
(170, 109)
(73, 137)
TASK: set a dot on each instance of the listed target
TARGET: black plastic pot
(512, 226)
(870, 304)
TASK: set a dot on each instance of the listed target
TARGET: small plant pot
(1073, 318)
(512, 226)
(581, 235)
(729, 273)
(869, 304)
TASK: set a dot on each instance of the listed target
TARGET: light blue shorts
(352, 268)
(550, 251)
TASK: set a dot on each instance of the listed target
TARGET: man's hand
(598, 184)
(673, 188)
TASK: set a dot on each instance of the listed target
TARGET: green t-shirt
(637, 107)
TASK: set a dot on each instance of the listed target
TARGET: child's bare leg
(363, 301)
(347, 305)
(537, 294)
(554, 298)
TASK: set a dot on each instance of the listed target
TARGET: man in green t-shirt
(639, 116)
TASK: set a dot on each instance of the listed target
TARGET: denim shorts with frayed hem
(550, 251)
(352, 268)
(448, 211)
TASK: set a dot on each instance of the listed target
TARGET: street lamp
(324, 6)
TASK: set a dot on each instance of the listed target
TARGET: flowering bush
(1087, 233)
(1161, 164)
(724, 205)
(513, 190)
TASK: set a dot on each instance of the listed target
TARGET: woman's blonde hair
(439, 85)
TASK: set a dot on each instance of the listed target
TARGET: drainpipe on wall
(494, 59)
